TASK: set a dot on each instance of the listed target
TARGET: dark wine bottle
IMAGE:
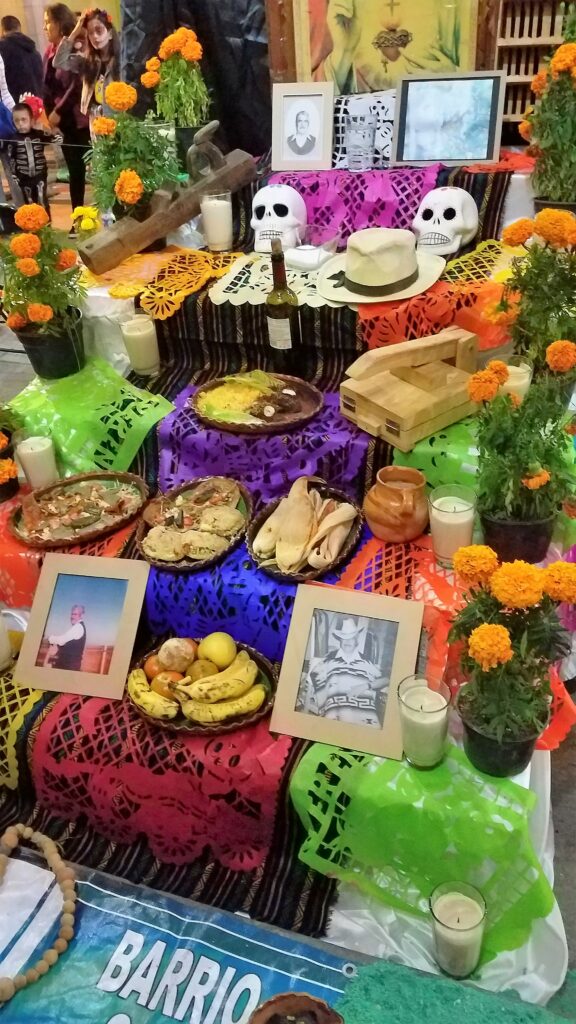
(283, 317)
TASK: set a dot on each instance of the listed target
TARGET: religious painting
(302, 126)
(368, 45)
(345, 656)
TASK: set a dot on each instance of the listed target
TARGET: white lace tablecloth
(250, 281)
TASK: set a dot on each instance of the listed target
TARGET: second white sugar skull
(447, 219)
(278, 211)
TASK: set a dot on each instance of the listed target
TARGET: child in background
(26, 155)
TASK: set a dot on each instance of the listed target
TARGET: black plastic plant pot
(55, 355)
(9, 489)
(501, 758)
(515, 538)
(541, 203)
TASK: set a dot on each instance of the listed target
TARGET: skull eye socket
(259, 212)
(450, 213)
(427, 214)
(280, 209)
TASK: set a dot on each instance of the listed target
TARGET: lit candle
(458, 917)
(36, 456)
(141, 343)
(451, 520)
(217, 220)
(424, 720)
(519, 379)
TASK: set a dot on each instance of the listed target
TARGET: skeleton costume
(26, 155)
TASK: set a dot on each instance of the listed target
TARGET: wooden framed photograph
(302, 126)
(452, 119)
(83, 625)
(346, 653)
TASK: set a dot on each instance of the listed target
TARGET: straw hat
(379, 265)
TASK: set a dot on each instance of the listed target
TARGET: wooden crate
(528, 30)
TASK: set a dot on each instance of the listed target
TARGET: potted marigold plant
(511, 636)
(42, 295)
(130, 158)
(524, 457)
(550, 126)
(181, 94)
(539, 294)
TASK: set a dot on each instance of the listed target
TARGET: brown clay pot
(295, 1005)
(396, 507)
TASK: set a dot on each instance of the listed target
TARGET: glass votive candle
(141, 341)
(458, 918)
(520, 372)
(424, 708)
(451, 520)
(37, 458)
(217, 225)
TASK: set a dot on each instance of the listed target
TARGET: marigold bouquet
(130, 158)
(550, 126)
(539, 294)
(181, 93)
(41, 275)
(524, 452)
(512, 636)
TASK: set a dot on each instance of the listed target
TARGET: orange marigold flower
(570, 427)
(539, 82)
(31, 217)
(120, 96)
(561, 356)
(554, 226)
(536, 480)
(515, 399)
(518, 232)
(16, 321)
(28, 267)
(517, 585)
(153, 64)
(8, 470)
(569, 507)
(129, 188)
(560, 581)
(39, 313)
(483, 386)
(192, 52)
(150, 79)
(104, 126)
(490, 645)
(525, 130)
(168, 47)
(564, 59)
(3, 441)
(475, 564)
(499, 369)
(67, 258)
(25, 246)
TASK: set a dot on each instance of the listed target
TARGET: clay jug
(396, 507)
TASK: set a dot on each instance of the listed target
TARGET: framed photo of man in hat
(345, 656)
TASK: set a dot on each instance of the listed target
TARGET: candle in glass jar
(519, 378)
(451, 520)
(458, 916)
(139, 335)
(36, 456)
(217, 220)
(424, 720)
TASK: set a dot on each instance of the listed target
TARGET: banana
(234, 671)
(152, 703)
(210, 692)
(209, 714)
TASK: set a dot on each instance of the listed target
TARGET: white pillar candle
(424, 721)
(36, 456)
(217, 221)
(5, 646)
(451, 520)
(141, 343)
(519, 378)
(458, 922)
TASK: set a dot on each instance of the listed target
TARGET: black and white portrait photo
(302, 117)
(302, 126)
(347, 666)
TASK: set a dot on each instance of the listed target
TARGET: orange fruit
(164, 682)
(152, 666)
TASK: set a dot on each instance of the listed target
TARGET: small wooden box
(405, 392)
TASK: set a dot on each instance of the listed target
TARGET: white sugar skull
(447, 219)
(278, 211)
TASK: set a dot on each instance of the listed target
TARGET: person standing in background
(62, 101)
(22, 62)
(99, 64)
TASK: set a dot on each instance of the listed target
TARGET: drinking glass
(360, 134)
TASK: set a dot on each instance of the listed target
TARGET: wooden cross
(392, 4)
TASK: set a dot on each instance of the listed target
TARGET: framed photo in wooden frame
(83, 625)
(449, 119)
(346, 653)
(302, 126)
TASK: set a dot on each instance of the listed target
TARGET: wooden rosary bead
(20, 982)
(27, 833)
(32, 975)
(69, 907)
(65, 875)
(50, 956)
(60, 945)
(7, 989)
(10, 840)
(41, 967)
(66, 933)
(67, 919)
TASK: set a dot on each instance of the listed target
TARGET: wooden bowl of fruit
(212, 685)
